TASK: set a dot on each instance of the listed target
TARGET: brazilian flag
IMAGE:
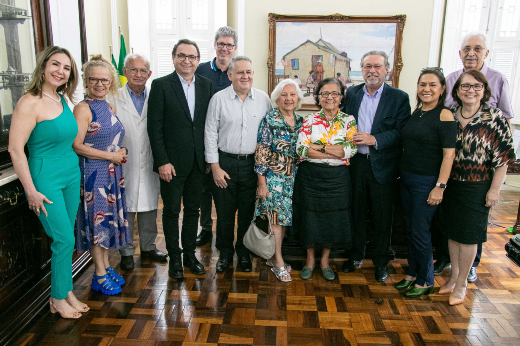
(122, 56)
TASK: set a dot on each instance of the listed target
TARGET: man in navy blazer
(381, 111)
(177, 109)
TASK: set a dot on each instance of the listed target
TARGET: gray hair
(279, 88)
(136, 56)
(231, 66)
(481, 35)
(226, 31)
(377, 52)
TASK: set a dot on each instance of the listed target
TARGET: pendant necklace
(49, 96)
(470, 116)
(424, 112)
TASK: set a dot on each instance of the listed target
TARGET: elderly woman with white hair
(275, 165)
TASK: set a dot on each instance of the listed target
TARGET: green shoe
(404, 284)
(328, 273)
(416, 292)
(306, 273)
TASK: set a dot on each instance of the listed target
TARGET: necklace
(470, 116)
(49, 96)
(424, 112)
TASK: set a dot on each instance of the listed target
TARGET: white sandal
(280, 273)
(286, 265)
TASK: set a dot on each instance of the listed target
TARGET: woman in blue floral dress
(276, 160)
(101, 222)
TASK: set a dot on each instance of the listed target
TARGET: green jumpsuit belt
(54, 168)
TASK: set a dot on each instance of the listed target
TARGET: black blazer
(174, 137)
(392, 114)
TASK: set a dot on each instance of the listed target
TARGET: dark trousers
(368, 194)
(239, 196)
(188, 190)
(441, 241)
(206, 203)
(418, 215)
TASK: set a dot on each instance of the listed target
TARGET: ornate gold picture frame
(308, 49)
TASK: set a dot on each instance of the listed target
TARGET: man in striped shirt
(232, 122)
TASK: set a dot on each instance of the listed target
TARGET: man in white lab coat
(142, 183)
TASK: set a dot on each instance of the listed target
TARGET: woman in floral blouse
(276, 161)
(484, 149)
(322, 189)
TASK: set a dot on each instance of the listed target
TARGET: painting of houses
(318, 60)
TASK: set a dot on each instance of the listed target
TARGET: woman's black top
(424, 136)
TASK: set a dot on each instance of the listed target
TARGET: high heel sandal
(118, 279)
(280, 273)
(286, 265)
(75, 315)
(107, 287)
(84, 307)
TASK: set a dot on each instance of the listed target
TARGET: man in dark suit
(381, 112)
(177, 109)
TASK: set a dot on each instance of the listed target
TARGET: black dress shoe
(350, 266)
(222, 265)
(381, 274)
(154, 255)
(175, 269)
(472, 276)
(127, 262)
(440, 266)
(203, 238)
(193, 263)
(244, 263)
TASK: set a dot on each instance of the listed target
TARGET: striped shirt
(232, 125)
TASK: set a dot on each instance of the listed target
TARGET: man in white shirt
(234, 115)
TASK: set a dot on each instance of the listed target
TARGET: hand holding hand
(167, 172)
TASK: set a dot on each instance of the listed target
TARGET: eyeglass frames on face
(476, 87)
(103, 81)
(134, 70)
(228, 46)
(326, 94)
(191, 58)
(369, 67)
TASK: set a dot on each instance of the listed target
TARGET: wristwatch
(441, 185)
(323, 149)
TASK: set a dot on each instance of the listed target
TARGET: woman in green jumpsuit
(51, 176)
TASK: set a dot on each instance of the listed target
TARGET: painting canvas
(310, 49)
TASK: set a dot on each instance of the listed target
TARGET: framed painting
(308, 49)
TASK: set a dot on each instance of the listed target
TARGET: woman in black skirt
(484, 149)
(322, 189)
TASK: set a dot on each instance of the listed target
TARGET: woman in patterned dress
(101, 222)
(276, 161)
(322, 188)
(483, 150)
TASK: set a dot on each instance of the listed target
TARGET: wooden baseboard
(33, 302)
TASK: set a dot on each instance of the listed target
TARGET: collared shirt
(232, 124)
(210, 71)
(499, 90)
(189, 92)
(138, 100)
(367, 113)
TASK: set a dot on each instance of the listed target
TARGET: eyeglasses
(103, 81)
(477, 49)
(369, 67)
(476, 87)
(326, 94)
(134, 70)
(191, 58)
(228, 46)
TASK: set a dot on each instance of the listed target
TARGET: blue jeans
(415, 190)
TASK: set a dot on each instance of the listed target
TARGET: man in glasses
(226, 40)
(381, 111)
(141, 182)
(176, 117)
(234, 115)
(473, 52)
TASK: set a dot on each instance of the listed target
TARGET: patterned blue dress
(276, 159)
(101, 218)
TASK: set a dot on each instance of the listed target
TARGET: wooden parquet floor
(236, 308)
